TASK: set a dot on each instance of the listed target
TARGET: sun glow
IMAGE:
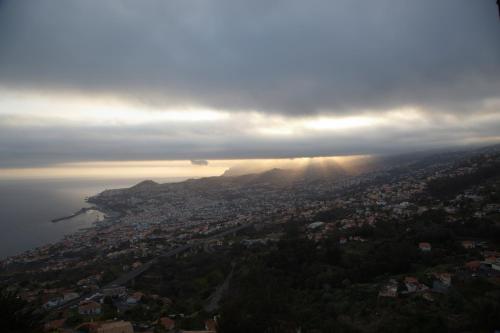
(340, 123)
(165, 169)
(39, 109)
(289, 127)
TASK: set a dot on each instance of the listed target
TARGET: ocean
(28, 206)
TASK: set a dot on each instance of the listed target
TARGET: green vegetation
(16, 316)
(448, 186)
(319, 287)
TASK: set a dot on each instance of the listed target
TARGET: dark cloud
(293, 57)
(25, 146)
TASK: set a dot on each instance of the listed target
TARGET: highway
(129, 276)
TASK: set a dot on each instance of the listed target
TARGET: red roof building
(167, 323)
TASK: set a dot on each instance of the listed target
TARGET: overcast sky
(94, 80)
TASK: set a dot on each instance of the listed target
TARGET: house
(444, 278)
(389, 290)
(450, 210)
(167, 323)
(89, 308)
(442, 282)
(316, 225)
(473, 265)
(491, 208)
(425, 247)
(491, 262)
(413, 285)
(135, 298)
(467, 244)
(496, 266)
(54, 302)
(114, 291)
(491, 254)
(54, 325)
(70, 296)
(428, 296)
(116, 327)
(211, 325)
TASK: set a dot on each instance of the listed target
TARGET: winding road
(129, 276)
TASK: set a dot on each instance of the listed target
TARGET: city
(110, 270)
(186, 166)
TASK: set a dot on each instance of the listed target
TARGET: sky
(198, 83)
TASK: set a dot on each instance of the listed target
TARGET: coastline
(32, 226)
(79, 212)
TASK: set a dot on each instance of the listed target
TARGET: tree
(16, 316)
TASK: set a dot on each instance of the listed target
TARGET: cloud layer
(30, 140)
(244, 79)
(292, 57)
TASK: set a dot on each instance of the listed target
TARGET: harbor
(84, 210)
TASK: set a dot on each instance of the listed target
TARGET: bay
(28, 206)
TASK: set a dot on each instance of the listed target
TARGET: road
(214, 299)
(129, 276)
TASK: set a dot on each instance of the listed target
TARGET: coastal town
(110, 278)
